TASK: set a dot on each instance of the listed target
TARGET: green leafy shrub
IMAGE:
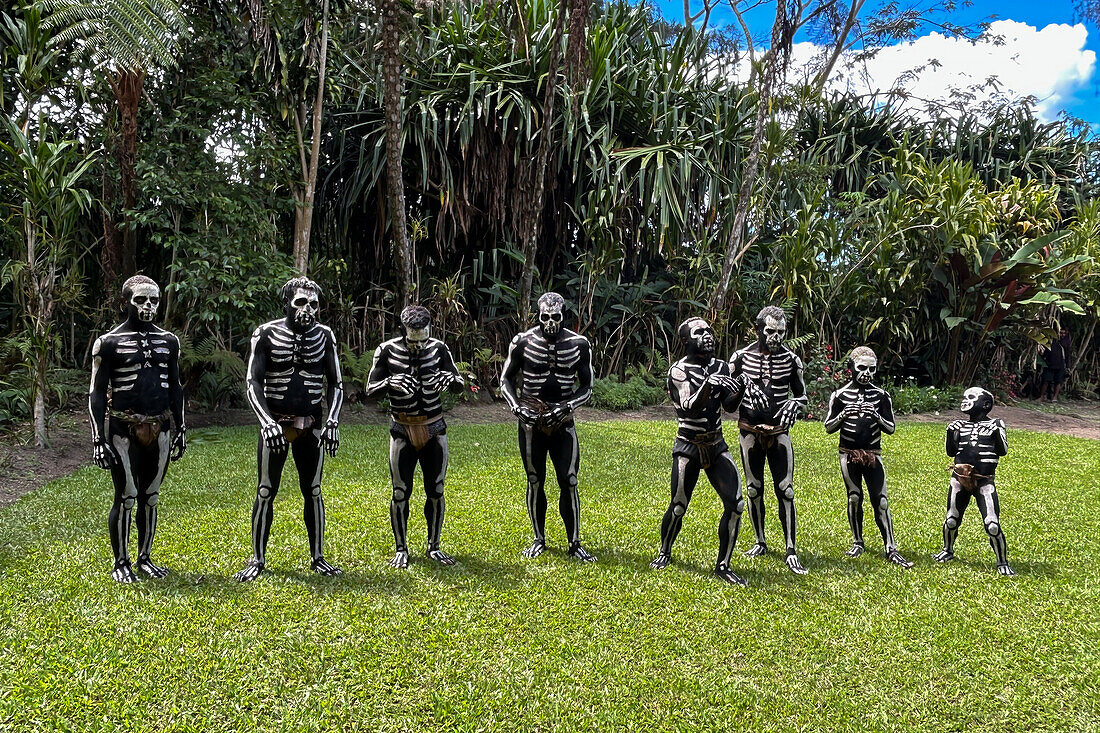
(910, 398)
(640, 389)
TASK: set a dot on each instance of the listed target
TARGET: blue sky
(1043, 55)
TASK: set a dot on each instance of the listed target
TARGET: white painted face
(304, 306)
(775, 329)
(864, 368)
(702, 336)
(415, 338)
(970, 399)
(145, 299)
(550, 318)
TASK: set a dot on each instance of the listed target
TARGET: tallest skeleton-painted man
(292, 365)
(548, 375)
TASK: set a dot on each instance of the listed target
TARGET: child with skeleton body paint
(546, 376)
(293, 364)
(701, 387)
(414, 370)
(777, 373)
(862, 413)
(977, 445)
(134, 397)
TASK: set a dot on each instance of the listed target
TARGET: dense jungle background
(472, 154)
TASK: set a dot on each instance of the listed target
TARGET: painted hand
(103, 455)
(722, 382)
(526, 414)
(758, 398)
(557, 415)
(404, 384)
(330, 438)
(987, 429)
(955, 425)
(788, 414)
(179, 444)
(274, 437)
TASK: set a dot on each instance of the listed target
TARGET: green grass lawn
(502, 643)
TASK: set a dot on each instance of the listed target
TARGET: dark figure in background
(862, 413)
(977, 445)
(414, 370)
(548, 375)
(293, 365)
(136, 384)
(777, 373)
(1058, 359)
(701, 387)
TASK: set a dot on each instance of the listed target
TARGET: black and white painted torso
(776, 373)
(549, 369)
(981, 444)
(137, 363)
(393, 357)
(701, 416)
(294, 378)
(861, 431)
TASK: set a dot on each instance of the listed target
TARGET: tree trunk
(40, 398)
(303, 211)
(393, 89)
(127, 87)
(535, 200)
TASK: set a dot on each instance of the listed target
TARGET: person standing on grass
(1057, 358)
(134, 398)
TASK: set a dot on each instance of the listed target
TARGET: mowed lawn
(503, 643)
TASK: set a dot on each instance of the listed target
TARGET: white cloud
(1050, 65)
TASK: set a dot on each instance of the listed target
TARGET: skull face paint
(701, 336)
(973, 399)
(550, 318)
(303, 306)
(773, 332)
(864, 367)
(416, 338)
(144, 300)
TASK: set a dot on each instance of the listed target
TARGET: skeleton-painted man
(292, 366)
(700, 387)
(862, 413)
(764, 425)
(977, 445)
(547, 375)
(135, 395)
(414, 370)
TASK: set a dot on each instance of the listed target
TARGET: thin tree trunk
(535, 202)
(127, 87)
(392, 91)
(303, 218)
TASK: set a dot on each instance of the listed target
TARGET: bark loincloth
(766, 433)
(145, 429)
(543, 421)
(862, 456)
(967, 478)
(417, 429)
(705, 447)
(295, 425)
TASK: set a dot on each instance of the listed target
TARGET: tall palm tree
(124, 39)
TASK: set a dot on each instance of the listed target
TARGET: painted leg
(118, 521)
(309, 459)
(433, 464)
(685, 473)
(876, 485)
(402, 465)
(753, 457)
(269, 466)
(957, 499)
(853, 476)
(989, 507)
(532, 450)
(723, 476)
(781, 464)
(147, 500)
(565, 454)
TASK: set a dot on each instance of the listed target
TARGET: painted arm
(448, 376)
(1001, 438)
(886, 414)
(177, 403)
(788, 414)
(254, 392)
(584, 376)
(952, 442)
(334, 386)
(834, 415)
(513, 366)
(680, 390)
(102, 453)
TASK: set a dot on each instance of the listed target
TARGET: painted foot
(757, 550)
(1006, 570)
(729, 576)
(146, 566)
(322, 567)
(856, 550)
(944, 556)
(795, 565)
(252, 570)
(661, 561)
(123, 573)
(400, 559)
(577, 552)
(441, 557)
(535, 549)
(898, 559)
